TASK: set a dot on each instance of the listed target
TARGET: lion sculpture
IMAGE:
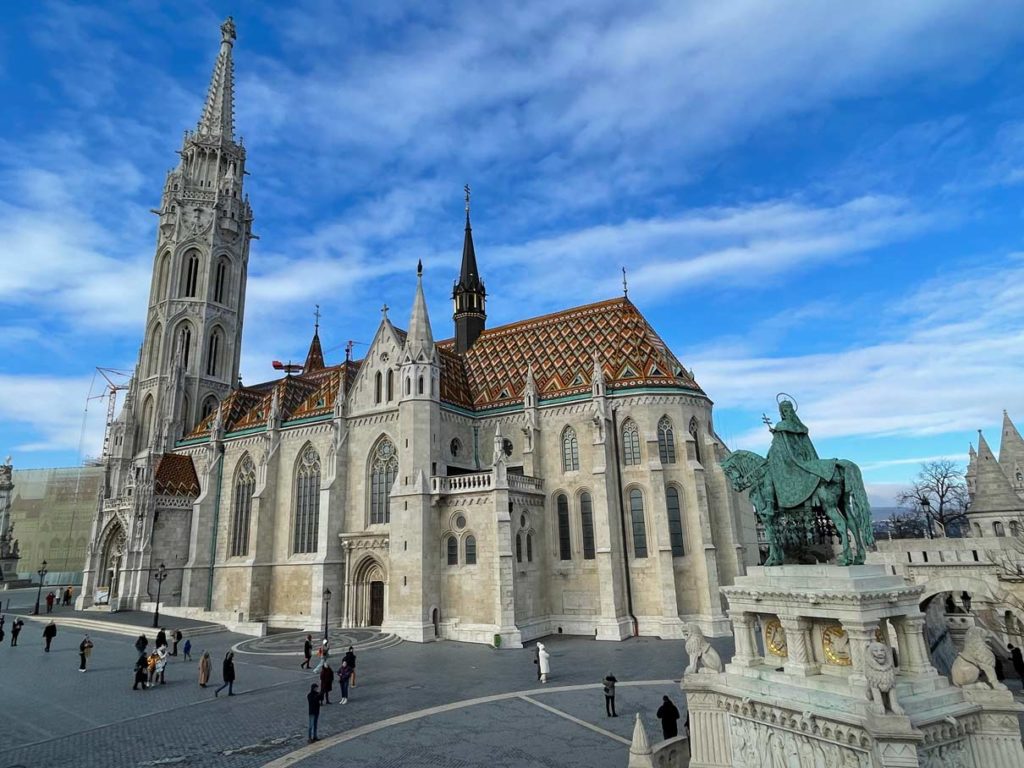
(881, 677)
(703, 658)
(974, 660)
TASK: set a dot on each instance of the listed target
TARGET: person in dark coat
(49, 632)
(669, 716)
(141, 671)
(1017, 659)
(50, 597)
(326, 683)
(177, 639)
(307, 654)
(350, 659)
(140, 643)
(84, 651)
(228, 671)
(609, 695)
(161, 638)
(344, 675)
(15, 631)
(313, 702)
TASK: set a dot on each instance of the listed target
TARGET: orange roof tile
(175, 476)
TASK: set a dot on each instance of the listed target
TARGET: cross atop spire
(218, 119)
(466, 188)
(316, 314)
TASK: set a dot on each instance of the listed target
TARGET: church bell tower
(468, 295)
(190, 355)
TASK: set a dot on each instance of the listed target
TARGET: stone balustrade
(526, 483)
(482, 482)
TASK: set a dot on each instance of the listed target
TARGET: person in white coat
(545, 662)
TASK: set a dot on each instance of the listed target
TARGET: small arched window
(675, 521)
(453, 551)
(209, 406)
(570, 450)
(529, 547)
(147, 424)
(564, 542)
(470, 550)
(163, 273)
(185, 345)
(695, 434)
(307, 502)
(391, 385)
(241, 506)
(377, 383)
(213, 353)
(383, 471)
(190, 274)
(587, 525)
(998, 529)
(408, 385)
(666, 441)
(1015, 528)
(154, 350)
(519, 547)
(630, 443)
(419, 386)
(220, 281)
(636, 514)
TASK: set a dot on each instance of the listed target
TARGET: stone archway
(368, 596)
(108, 577)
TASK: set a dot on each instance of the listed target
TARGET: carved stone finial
(227, 31)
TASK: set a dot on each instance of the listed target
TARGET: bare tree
(939, 495)
(905, 524)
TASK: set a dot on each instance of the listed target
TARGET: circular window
(455, 447)
(506, 446)
(522, 521)
(460, 522)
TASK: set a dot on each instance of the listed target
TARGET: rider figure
(793, 460)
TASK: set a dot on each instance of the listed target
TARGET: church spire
(468, 294)
(218, 119)
(419, 342)
(315, 356)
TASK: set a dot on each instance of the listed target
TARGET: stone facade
(559, 474)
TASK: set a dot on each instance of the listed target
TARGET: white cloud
(51, 407)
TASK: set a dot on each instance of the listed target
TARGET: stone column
(744, 625)
(915, 659)
(859, 634)
(800, 662)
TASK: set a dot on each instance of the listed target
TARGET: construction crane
(111, 390)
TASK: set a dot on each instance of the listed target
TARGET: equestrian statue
(793, 483)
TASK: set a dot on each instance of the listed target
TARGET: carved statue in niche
(703, 658)
(881, 676)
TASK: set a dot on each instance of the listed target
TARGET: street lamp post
(327, 609)
(42, 574)
(160, 575)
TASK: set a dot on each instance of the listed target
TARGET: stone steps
(115, 628)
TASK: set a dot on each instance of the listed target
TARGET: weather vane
(625, 286)
(316, 314)
(467, 197)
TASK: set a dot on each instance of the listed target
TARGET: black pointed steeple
(468, 294)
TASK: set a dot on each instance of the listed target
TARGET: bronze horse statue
(843, 499)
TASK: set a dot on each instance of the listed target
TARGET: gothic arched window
(163, 272)
(570, 450)
(675, 521)
(998, 529)
(184, 344)
(630, 443)
(470, 550)
(209, 406)
(190, 274)
(307, 502)
(220, 282)
(666, 441)
(529, 547)
(453, 551)
(213, 352)
(147, 424)
(154, 350)
(519, 547)
(564, 543)
(695, 434)
(391, 386)
(241, 506)
(383, 471)
(419, 386)
(587, 525)
(377, 385)
(636, 514)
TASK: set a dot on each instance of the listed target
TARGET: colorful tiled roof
(175, 476)
(560, 347)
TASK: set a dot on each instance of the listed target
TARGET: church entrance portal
(108, 581)
(376, 603)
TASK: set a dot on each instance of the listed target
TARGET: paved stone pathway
(290, 643)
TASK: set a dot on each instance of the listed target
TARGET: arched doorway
(436, 618)
(108, 581)
(368, 594)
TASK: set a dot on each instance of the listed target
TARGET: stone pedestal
(799, 691)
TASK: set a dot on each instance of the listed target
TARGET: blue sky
(819, 198)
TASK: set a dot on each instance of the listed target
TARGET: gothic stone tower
(189, 358)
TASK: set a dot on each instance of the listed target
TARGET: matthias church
(557, 474)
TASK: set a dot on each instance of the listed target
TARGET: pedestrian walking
(141, 669)
(140, 643)
(151, 661)
(84, 652)
(345, 675)
(228, 673)
(49, 601)
(544, 662)
(15, 631)
(322, 653)
(609, 695)
(313, 702)
(1017, 659)
(177, 639)
(307, 653)
(350, 657)
(205, 669)
(326, 683)
(536, 659)
(68, 595)
(669, 716)
(161, 664)
(161, 638)
(186, 650)
(49, 632)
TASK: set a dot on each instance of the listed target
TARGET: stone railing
(526, 483)
(482, 482)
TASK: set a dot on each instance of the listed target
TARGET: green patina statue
(792, 483)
